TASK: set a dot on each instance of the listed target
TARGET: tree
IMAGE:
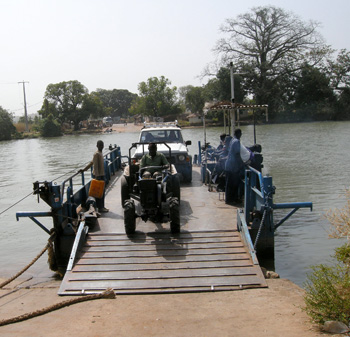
(313, 93)
(267, 44)
(93, 106)
(327, 290)
(64, 101)
(156, 98)
(116, 101)
(7, 129)
(194, 99)
(339, 72)
(343, 110)
(50, 127)
(219, 88)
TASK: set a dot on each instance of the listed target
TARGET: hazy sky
(116, 44)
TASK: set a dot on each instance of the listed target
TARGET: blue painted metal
(207, 164)
(199, 153)
(32, 215)
(257, 214)
(64, 198)
(243, 228)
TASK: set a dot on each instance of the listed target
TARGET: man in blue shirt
(234, 169)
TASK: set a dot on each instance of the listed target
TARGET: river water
(307, 162)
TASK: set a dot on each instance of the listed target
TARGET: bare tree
(269, 43)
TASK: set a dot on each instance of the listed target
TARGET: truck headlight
(182, 157)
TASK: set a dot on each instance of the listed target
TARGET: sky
(116, 44)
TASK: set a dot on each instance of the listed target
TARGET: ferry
(213, 247)
(209, 245)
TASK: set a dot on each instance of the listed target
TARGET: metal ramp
(159, 262)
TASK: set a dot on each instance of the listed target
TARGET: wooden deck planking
(197, 267)
(207, 255)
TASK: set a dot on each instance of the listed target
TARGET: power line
(8, 83)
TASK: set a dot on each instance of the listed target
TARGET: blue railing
(259, 196)
(255, 220)
(65, 197)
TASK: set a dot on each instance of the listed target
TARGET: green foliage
(328, 294)
(65, 101)
(313, 90)
(342, 254)
(195, 99)
(343, 108)
(328, 287)
(117, 102)
(93, 106)
(267, 44)
(50, 127)
(339, 70)
(219, 88)
(156, 98)
(7, 129)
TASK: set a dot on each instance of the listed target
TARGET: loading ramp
(208, 255)
(158, 262)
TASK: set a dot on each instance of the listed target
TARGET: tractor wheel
(175, 186)
(129, 217)
(124, 189)
(174, 215)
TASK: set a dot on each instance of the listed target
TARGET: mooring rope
(28, 195)
(5, 210)
(109, 293)
(48, 245)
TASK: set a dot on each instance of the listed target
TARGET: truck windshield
(168, 136)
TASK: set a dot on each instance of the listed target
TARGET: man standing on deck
(238, 155)
(98, 173)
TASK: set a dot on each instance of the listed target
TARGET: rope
(5, 210)
(109, 293)
(28, 195)
(48, 245)
(59, 177)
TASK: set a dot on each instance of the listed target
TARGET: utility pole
(25, 104)
(233, 110)
(233, 103)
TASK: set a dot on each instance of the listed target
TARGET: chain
(262, 219)
(260, 227)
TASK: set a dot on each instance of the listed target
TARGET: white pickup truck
(170, 133)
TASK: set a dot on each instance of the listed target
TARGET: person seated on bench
(152, 158)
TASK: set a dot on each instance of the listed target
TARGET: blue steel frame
(258, 211)
(63, 209)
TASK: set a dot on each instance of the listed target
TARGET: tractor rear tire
(175, 186)
(129, 217)
(124, 189)
(174, 215)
